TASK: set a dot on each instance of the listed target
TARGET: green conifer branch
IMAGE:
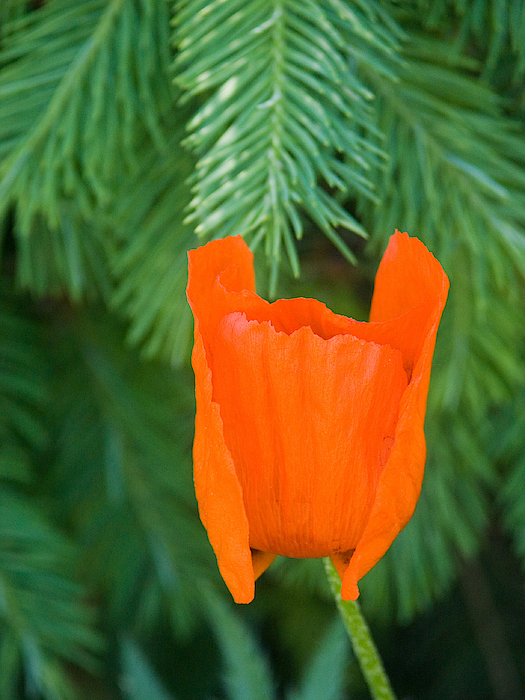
(284, 113)
(45, 623)
(83, 83)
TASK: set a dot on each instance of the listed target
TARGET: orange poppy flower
(309, 427)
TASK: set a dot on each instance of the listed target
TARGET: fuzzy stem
(362, 642)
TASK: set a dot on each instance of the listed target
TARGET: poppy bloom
(309, 427)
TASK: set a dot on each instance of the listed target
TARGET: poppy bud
(309, 427)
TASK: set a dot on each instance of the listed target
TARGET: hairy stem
(362, 642)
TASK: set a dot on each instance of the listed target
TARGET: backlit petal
(217, 487)
(415, 277)
(309, 430)
(309, 423)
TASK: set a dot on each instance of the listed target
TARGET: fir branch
(508, 450)
(139, 681)
(150, 258)
(496, 27)
(512, 502)
(10, 10)
(72, 258)
(82, 84)
(455, 179)
(325, 676)
(284, 113)
(122, 467)
(41, 604)
(477, 363)
(24, 392)
(248, 675)
(44, 621)
(23, 389)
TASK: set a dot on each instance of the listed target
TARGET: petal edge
(400, 483)
(217, 487)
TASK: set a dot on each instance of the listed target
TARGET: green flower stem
(362, 642)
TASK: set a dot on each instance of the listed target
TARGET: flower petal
(217, 487)
(227, 259)
(261, 561)
(408, 274)
(410, 294)
(309, 423)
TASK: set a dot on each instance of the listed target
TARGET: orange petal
(410, 293)
(408, 276)
(261, 561)
(397, 494)
(309, 423)
(409, 267)
(217, 487)
(341, 561)
(206, 265)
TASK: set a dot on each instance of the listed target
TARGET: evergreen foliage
(149, 262)
(82, 83)
(131, 131)
(284, 105)
(45, 620)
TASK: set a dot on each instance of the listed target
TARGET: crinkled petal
(217, 487)
(220, 279)
(410, 294)
(309, 423)
(408, 275)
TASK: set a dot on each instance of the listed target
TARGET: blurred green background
(131, 130)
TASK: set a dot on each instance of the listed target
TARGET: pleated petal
(309, 430)
(309, 423)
